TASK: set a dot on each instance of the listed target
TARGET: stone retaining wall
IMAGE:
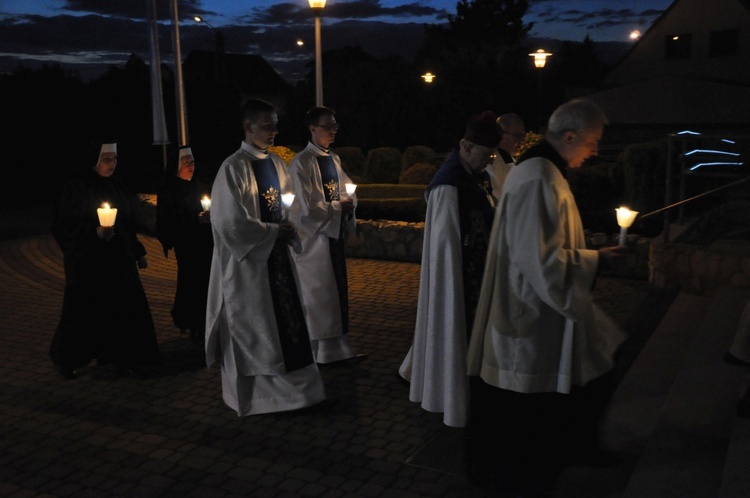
(402, 241)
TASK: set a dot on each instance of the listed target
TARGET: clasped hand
(286, 232)
(347, 206)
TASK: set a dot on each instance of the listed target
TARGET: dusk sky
(90, 35)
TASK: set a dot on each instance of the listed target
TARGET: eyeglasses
(329, 127)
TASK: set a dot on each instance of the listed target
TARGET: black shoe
(733, 360)
(67, 372)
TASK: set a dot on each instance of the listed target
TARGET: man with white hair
(539, 347)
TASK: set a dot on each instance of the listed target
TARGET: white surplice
(536, 327)
(498, 172)
(436, 363)
(241, 331)
(320, 221)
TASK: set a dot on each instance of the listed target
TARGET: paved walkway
(172, 436)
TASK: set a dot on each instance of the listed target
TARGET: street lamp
(317, 8)
(182, 118)
(540, 60)
(428, 77)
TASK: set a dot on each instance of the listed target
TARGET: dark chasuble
(295, 342)
(476, 210)
(332, 191)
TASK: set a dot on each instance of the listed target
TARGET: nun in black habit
(105, 314)
(183, 223)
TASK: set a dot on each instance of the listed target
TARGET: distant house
(251, 74)
(691, 69)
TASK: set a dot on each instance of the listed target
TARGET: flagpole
(182, 121)
(157, 95)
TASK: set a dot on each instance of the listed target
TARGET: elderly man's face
(580, 146)
(477, 156)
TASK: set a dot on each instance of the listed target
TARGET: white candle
(625, 218)
(350, 188)
(206, 203)
(287, 200)
(107, 215)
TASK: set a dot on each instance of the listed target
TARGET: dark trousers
(523, 440)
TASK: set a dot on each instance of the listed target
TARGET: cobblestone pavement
(172, 436)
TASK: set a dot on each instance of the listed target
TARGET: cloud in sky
(103, 33)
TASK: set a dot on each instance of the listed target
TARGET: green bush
(420, 173)
(640, 172)
(383, 165)
(352, 161)
(418, 154)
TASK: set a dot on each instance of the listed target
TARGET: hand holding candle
(106, 215)
(625, 218)
(287, 200)
(206, 203)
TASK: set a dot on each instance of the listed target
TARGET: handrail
(690, 199)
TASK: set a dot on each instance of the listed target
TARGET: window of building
(677, 47)
(725, 42)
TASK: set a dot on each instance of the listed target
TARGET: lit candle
(206, 203)
(625, 218)
(287, 200)
(350, 188)
(107, 215)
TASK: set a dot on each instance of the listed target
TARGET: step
(686, 451)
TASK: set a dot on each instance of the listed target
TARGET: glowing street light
(317, 8)
(428, 77)
(635, 34)
(300, 42)
(540, 60)
(540, 57)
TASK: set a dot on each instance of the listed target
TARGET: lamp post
(540, 60)
(218, 46)
(428, 77)
(317, 8)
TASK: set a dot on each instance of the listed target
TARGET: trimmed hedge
(383, 165)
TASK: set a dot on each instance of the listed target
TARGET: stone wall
(402, 241)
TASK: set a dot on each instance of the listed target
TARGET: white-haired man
(539, 347)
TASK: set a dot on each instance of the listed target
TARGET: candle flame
(105, 205)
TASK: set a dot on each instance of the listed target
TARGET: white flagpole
(157, 95)
(182, 121)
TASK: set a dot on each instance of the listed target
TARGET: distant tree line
(480, 58)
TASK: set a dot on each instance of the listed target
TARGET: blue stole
(332, 191)
(330, 178)
(290, 319)
(269, 189)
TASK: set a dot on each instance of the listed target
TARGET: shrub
(283, 152)
(529, 140)
(418, 154)
(640, 172)
(383, 165)
(352, 161)
(420, 173)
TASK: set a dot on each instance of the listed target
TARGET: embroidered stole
(290, 320)
(332, 191)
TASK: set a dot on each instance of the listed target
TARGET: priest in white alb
(326, 218)
(255, 326)
(460, 207)
(539, 346)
